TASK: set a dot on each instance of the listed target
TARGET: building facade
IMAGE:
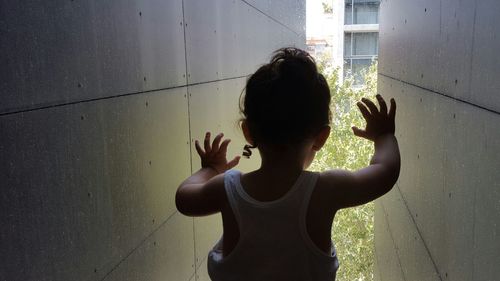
(361, 18)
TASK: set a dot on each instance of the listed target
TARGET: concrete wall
(101, 101)
(440, 60)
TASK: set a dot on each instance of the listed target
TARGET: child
(277, 219)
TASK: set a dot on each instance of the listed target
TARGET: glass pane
(365, 12)
(348, 12)
(365, 44)
(347, 44)
(373, 2)
(359, 68)
(347, 68)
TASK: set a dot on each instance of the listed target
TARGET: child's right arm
(348, 189)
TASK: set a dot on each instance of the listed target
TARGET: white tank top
(273, 243)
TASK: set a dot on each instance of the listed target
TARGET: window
(360, 44)
(364, 44)
(347, 44)
(360, 49)
(348, 12)
(361, 11)
(356, 68)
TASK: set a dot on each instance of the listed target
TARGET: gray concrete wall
(440, 60)
(101, 102)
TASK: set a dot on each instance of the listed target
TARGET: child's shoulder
(330, 184)
(333, 179)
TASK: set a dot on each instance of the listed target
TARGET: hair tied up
(246, 150)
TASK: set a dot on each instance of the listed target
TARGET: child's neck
(292, 162)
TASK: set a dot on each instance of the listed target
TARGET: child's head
(286, 101)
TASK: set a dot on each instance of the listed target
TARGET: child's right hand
(214, 156)
(378, 122)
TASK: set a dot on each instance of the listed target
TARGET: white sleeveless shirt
(273, 243)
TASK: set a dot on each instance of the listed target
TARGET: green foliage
(327, 8)
(352, 230)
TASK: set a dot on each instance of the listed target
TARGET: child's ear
(246, 132)
(321, 138)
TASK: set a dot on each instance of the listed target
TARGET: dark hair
(286, 101)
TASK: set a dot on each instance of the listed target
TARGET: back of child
(277, 219)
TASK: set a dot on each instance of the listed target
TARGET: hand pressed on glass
(214, 156)
(378, 122)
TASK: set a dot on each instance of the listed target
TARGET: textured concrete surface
(436, 60)
(101, 102)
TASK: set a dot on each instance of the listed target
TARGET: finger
(392, 110)
(358, 132)
(198, 148)
(231, 164)
(215, 144)
(373, 108)
(223, 146)
(206, 143)
(364, 111)
(383, 105)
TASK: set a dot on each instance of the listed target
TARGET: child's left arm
(201, 193)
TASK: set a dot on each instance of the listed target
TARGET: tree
(352, 230)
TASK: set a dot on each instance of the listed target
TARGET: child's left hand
(214, 156)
